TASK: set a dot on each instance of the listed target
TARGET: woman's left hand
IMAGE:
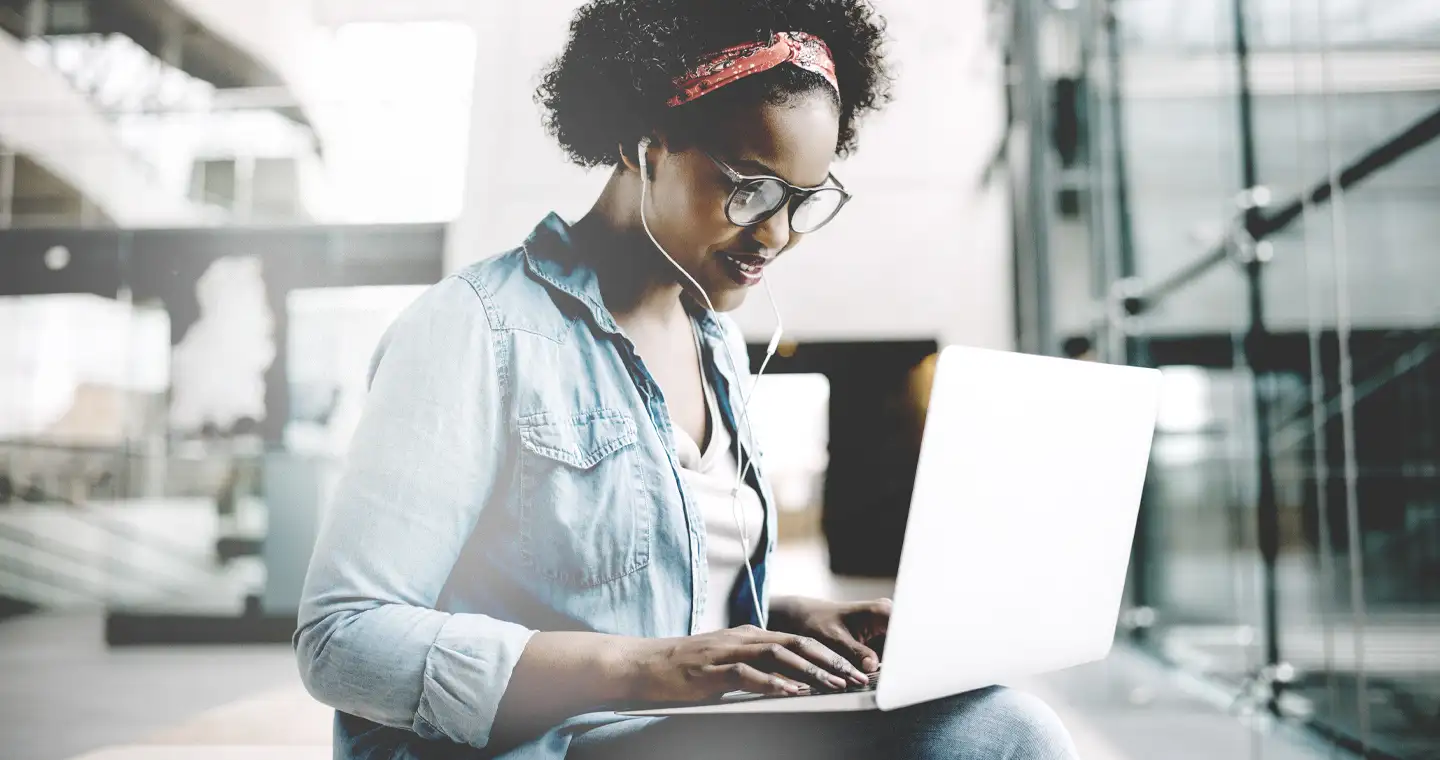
(848, 628)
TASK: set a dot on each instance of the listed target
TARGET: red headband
(733, 64)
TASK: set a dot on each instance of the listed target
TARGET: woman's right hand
(704, 666)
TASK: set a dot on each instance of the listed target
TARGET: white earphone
(740, 470)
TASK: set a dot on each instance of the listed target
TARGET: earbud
(644, 159)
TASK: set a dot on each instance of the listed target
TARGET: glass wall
(202, 235)
(1289, 547)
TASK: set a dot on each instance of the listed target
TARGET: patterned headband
(733, 64)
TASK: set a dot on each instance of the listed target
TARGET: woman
(549, 507)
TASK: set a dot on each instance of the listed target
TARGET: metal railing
(1283, 425)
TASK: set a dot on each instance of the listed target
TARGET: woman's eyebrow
(762, 168)
(752, 163)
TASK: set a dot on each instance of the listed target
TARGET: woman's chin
(724, 295)
(729, 297)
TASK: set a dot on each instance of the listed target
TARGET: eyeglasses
(759, 197)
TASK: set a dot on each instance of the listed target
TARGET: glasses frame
(791, 193)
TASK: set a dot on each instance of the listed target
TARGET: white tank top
(709, 477)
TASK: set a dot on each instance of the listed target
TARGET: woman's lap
(989, 724)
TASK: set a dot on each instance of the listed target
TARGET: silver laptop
(1019, 532)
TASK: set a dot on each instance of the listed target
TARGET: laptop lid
(1020, 525)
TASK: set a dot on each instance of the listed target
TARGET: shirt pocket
(583, 521)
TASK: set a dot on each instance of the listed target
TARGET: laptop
(1018, 539)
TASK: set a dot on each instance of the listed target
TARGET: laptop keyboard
(806, 691)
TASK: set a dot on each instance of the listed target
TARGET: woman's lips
(744, 268)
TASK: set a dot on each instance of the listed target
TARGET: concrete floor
(63, 694)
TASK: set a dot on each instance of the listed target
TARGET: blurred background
(211, 209)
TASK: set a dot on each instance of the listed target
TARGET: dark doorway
(878, 394)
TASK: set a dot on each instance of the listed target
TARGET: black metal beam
(136, 628)
(157, 262)
(1289, 352)
(1267, 511)
(1388, 152)
(93, 267)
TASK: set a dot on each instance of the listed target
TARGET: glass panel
(332, 338)
(1354, 432)
(1182, 154)
(1205, 577)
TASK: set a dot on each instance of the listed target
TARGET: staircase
(63, 547)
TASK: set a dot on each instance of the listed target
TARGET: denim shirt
(514, 471)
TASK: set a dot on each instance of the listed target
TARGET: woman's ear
(628, 157)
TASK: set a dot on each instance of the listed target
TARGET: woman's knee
(997, 722)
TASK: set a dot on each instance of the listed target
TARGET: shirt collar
(550, 254)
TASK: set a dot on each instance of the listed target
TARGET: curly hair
(610, 85)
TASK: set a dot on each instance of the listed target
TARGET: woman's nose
(773, 234)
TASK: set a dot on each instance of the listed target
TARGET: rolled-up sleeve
(422, 466)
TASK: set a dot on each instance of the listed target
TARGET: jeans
(989, 724)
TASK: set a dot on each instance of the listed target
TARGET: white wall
(922, 252)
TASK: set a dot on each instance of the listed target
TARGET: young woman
(550, 507)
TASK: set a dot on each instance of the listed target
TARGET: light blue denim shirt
(514, 471)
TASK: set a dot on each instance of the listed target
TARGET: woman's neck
(636, 281)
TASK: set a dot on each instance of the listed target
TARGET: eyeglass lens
(756, 199)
